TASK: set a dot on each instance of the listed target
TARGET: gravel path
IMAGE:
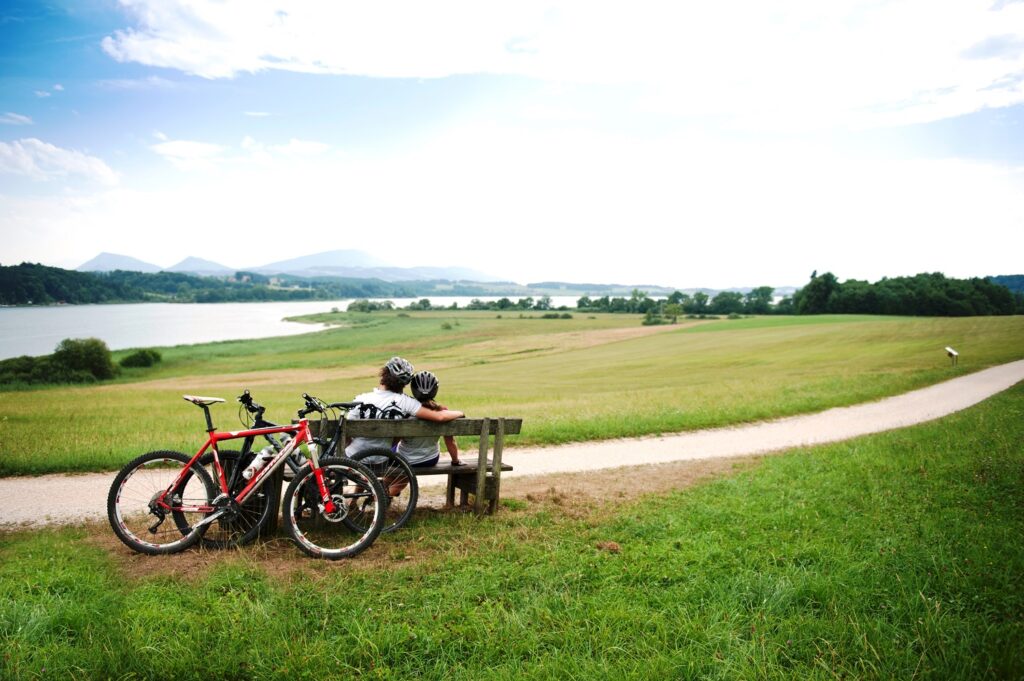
(28, 501)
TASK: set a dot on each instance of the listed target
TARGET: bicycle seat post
(209, 421)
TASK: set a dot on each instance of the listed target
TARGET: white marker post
(953, 355)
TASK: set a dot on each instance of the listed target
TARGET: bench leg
(463, 497)
(449, 496)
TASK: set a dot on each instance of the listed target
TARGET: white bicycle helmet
(400, 369)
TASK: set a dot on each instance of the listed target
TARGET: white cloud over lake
(794, 63)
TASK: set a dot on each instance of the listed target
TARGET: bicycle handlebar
(250, 405)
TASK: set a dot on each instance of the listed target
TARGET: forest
(33, 284)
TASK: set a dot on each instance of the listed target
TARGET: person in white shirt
(388, 401)
(423, 451)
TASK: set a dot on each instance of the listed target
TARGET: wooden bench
(483, 482)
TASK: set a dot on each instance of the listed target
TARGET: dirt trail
(29, 501)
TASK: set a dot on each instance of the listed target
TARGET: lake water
(38, 330)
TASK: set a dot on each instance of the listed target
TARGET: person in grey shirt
(388, 401)
(423, 451)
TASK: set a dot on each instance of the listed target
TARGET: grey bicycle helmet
(400, 369)
(424, 386)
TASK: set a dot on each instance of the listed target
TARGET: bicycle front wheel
(136, 513)
(355, 491)
(399, 482)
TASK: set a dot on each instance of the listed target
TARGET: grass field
(590, 377)
(892, 556)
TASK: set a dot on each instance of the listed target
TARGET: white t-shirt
(380, 404)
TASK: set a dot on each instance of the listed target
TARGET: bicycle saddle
(202, 401)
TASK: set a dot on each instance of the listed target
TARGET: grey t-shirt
(419, 449)
(380, 404)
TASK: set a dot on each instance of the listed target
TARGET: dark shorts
(428, 463)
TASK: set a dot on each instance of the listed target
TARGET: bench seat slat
(447, 468)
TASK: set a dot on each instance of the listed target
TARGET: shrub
(735, 315)
(141, 358)
(370, 305)
(446, 326)
(565, 315)
(89, 355)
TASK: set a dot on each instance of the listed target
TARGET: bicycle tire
(354, 488)
(394, 473)
(130, 512)
(247, 525)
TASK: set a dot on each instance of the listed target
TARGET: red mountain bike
(165, 502)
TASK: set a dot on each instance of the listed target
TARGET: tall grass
(570, 380)
(891, 556)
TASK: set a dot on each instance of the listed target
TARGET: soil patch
(576, 495)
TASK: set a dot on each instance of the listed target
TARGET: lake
(38, 330)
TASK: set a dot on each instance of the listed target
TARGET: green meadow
(894, 556)
(586, 378)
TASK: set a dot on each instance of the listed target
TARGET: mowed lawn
(894, 556)
(590, 377)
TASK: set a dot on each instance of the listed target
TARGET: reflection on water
(38, 330)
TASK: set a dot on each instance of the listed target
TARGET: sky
(707, 144)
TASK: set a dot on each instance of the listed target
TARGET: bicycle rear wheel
(355, 491)
(399, 482)
(243, 524)
(140, 521)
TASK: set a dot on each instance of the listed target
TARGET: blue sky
(737, 144)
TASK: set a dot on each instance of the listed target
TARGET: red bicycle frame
(300, 435)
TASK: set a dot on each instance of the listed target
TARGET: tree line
(931, 294)
(34, 284)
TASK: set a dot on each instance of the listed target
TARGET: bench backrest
(418, 427)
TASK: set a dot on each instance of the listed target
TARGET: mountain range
(340, 263)
(353, 264)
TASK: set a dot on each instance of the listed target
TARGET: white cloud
(148, 83)
(296, 147)
(58, 87)
(42, 93)
(189, 155)
(845, 62)
(574, 205)
(15, 119)
(42, 161)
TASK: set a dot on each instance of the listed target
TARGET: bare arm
(438, 416)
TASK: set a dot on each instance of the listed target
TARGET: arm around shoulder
(438, 416)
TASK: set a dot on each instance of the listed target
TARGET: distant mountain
(108, 262)
(398, 273)
(360, 265)
(319, 261)
(200, 267)
(1014, 282)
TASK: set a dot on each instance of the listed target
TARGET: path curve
(83, 496)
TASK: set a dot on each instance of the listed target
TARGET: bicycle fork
(318, 474)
